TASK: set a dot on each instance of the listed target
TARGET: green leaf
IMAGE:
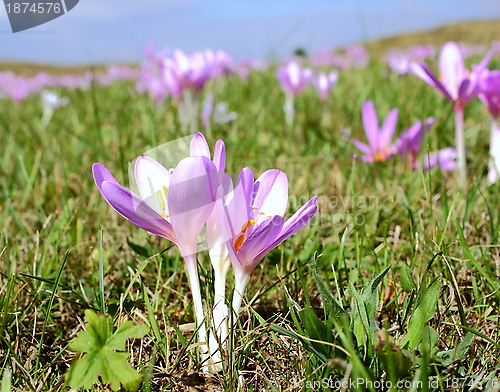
(405, 278)
(139, 249)
(84, 372)
(330, 302)
(127, 330)
(364, 311)
(317, 330)
(423, 313)
(449, 356)
(101, 345)
(116, 370)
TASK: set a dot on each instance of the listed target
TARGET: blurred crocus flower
(293, 80)
(324, 83)
(379, 147)
(455, 82)
(252, 223)
(358, 54)
(421, 52)
(458, 85)
(444, 158)
(219, 114)
(411, 139)
(398, 62)
(489, 94)
(50, 102)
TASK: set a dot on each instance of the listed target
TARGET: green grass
(64, 250)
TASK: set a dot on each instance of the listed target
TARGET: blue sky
(98, 31)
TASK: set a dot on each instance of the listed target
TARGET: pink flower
(324, 83)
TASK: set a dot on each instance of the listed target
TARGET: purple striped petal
(423, 72)
(451, 68)
(271, 194)
(370, 122)
(292, 226)
(136, 210)
(220, 156)
(199, 146)
(229, 231)
(101, 174)
(260, 239)
(388, 128)
(191, 199)
(359, 145)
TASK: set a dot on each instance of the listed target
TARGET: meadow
(392, 285)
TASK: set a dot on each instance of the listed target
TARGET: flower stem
(220, 282)
(460, 144)
(494, 162)
(239, 290)
(194, 282)
(289, 110)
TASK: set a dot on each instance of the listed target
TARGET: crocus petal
(260, 239)
(136, 210)
(229, 231)
(423, 72)
(220, 156)
(101, 174)
(445, 158)
(271, 194)
(153, 181)
(199, 146)
(191, 199)
(451, 68)
(359, 145)
(388, 128)
(466, 91)
(291, 226)
(370, 122)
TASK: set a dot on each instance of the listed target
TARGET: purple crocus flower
(398, 61)
(489, 94)
(411, 139)
(444, 158)
(324, 83)
(379, 147)
(489, 91)
(459, 86)
(293, 79)
(455, 82)
(171, 204)
(252, 223)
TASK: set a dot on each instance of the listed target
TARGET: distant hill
(475, 33)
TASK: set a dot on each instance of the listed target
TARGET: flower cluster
(294, 80)
(18, 88)
(244, 221)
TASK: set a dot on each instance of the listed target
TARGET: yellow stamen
(379, 157)
(161, 200)
(165, 191)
